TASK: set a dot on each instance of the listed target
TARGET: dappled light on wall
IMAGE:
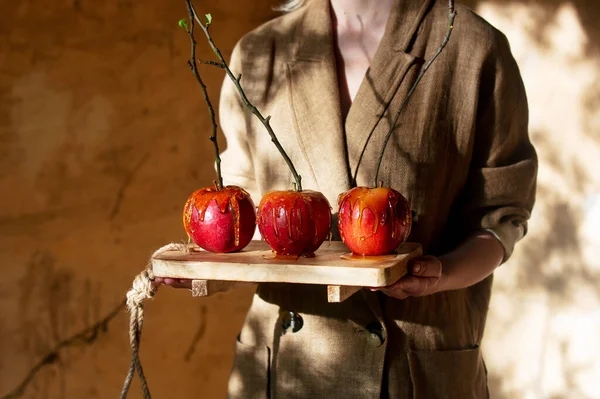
(542, 335)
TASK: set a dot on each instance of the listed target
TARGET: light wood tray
(211, 273)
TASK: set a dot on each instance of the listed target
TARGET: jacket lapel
(314, 97)
(388, 70)
(332, 148)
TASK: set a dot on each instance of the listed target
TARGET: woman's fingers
(407, 286)
(394, 291)
(425, 273)
(426, 266)
(182, 283)
(415, 286)
(174, 282)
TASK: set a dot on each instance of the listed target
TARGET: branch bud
(183, 24)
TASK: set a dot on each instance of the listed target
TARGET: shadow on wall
(562, 220)
(546, 299)
(540, 21)
(544, 15)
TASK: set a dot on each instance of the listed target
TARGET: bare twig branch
(247, 103)
(213, 63)
(451, 16)
(84, 337)
(193, 64)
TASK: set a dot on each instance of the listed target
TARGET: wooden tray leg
(211, 287)
(339, 293)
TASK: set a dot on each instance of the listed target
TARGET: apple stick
(192, 63)
(236, 81)
(451, 16)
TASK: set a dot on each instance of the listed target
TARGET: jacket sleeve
(501, 184)
(236, 161)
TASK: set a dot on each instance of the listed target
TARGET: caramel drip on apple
(226, 199)
(372, 199)
(407, 220)
(299, 224)
(188, 211)
(311, 216)
(392, 202)
(368, 258)
(288, 220)
(234, 206)
(289, 204)
(275, 228)
(286, 201)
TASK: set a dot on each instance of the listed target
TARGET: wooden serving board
(212, 272)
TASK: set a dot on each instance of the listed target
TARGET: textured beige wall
(102, 138)
(543, 331)
(103, 135)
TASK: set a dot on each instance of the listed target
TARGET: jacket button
(375, 334)
(291, 322)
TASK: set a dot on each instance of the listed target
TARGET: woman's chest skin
(354, 51)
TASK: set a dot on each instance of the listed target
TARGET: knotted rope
(143, 288)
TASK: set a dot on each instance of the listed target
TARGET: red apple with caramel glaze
(294, 222)
(220, 220)
(373, 221)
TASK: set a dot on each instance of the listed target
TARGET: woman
(329, 73)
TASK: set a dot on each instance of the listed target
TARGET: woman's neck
(356, 15)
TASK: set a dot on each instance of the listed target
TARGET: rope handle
(143, 288)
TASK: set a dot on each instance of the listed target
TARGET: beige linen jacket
(461, 155)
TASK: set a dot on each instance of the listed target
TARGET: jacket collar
(314, 35)
(331, 146)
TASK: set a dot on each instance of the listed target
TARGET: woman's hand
(423, 278)
(174, 282)
(472, 261)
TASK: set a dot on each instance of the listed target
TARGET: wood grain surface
(256, 263)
